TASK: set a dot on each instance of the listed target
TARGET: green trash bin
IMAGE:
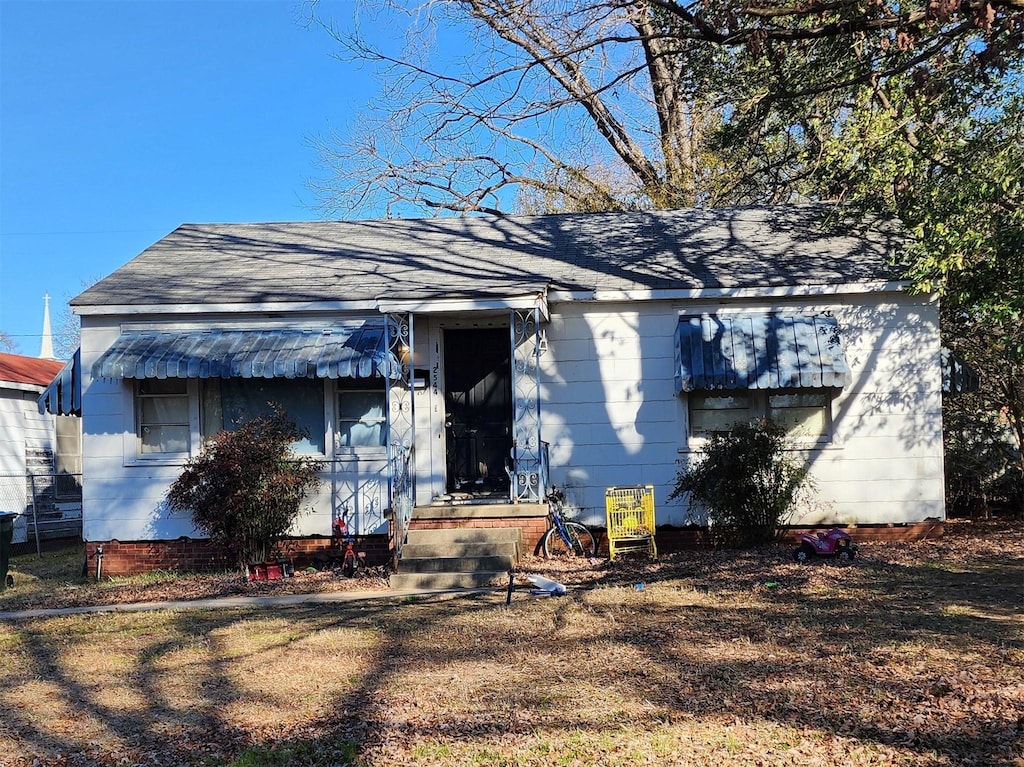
(6, 535)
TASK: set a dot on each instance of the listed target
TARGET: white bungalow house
(455, 369)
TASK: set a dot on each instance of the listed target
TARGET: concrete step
(457, 549)
(491, 563)
(462, 557)
(474, 580)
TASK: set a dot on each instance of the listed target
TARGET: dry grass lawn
(911, 656)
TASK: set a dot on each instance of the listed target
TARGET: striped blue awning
(335, 352)
(762, 351)
(64, 394)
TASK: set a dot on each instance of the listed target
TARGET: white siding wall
(24, 431)
(12, 431)
(612, 417)
(13, 488)
(27, 437)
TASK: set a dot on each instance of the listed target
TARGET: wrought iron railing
(545, 471)
(527, 481)
(402, 500)
(401, 422)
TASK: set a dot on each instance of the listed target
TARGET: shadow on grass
(872, 654)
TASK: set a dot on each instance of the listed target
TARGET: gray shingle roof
(480, 256)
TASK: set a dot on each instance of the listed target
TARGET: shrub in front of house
(245, 489)
(746, 483)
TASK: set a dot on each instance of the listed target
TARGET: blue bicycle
(566, 537)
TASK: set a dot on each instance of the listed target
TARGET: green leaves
(747, 483)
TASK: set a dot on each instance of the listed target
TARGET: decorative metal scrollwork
(401, 422)
(526, 350)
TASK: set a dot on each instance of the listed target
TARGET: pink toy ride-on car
(835, 543)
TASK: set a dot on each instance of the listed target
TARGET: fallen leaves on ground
(912, 655)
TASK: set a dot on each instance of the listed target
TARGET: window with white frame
(362, 414)
(805, 414)
(162, 416)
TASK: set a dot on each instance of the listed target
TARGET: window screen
(163, 415)
(362, 418)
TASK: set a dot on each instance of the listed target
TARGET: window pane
(165, 410)
(710, 413)
(242, 399)
(707, 421)
(67, 456)
(211, 409)
(801, 399)
(163, 415)
(802, 421)
(803, 414)
(357, 434)
(721, 401)
(360, 405)
(165, 439)
(361, 418)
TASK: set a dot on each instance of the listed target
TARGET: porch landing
(461, 510)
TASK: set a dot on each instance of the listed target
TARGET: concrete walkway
(220, 603)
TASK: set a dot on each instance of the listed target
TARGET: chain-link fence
(49, 506)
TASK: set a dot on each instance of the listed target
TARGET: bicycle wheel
(583, 542)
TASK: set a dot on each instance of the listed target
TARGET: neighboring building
(34, 448)
(476, 361)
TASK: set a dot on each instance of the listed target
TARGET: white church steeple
(46, 348)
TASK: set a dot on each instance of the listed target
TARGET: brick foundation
(122, 558)
(918, 531)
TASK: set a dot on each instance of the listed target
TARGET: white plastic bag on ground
(546, 584)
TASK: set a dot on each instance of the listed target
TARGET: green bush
(747, 484)
(246, 487)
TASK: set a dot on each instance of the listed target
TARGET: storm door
(478, 411)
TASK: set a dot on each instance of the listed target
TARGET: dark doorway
(478, 410)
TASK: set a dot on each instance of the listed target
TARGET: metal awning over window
(336, 352)
(64, 394)
(763, 351)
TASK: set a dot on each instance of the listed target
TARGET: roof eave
(755, 291)
(21, 386)
(232, 308)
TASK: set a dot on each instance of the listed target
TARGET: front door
(478, 410)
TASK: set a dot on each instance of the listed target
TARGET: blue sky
(121, 120)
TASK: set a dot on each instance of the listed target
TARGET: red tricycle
(835, 542)
(342, 553)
